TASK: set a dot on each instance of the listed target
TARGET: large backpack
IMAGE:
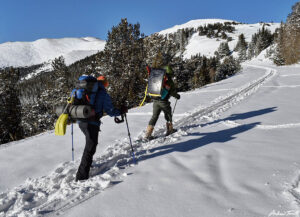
(84, 97)
(85, 91)
(157, 83)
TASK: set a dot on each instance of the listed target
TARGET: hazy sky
(28, 20)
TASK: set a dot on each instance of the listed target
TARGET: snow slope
(73, 49)
(207, 46)
(236, 154)
(42, 50)
(193, 24)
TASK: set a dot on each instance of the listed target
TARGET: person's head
(103, 80)
(168, 69)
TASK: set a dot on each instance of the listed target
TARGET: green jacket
(170, 87)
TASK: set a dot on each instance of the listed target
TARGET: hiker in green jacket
(163, 104)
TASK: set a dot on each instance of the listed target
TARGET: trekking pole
(72, 142)
(132, 151)
(174, 107)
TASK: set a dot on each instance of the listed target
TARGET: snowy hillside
(207, 46)
(31, 53)
(193, 24)
(20, 54)
(236, 154)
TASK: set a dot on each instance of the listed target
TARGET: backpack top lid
(86, 90)
(88, 83)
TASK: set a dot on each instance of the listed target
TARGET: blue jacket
(102, 102)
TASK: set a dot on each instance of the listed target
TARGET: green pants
(159, 106)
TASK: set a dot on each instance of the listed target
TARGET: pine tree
(123, 62)
(201, 73)
(229, 67)
(264, 40)
(260, 41)
(294, 16)
(241, 48)
(167, 46)
(224, 50)
(10, 107)
(242, 55)
(278, 57)
(61, 73)
(291, 48)
(241, 44)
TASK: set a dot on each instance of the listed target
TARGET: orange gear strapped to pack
(148, 70)
(87, 98)
(104, 81)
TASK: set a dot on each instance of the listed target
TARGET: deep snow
(236, 154)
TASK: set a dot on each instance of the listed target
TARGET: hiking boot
(149, 131)
(170, 129)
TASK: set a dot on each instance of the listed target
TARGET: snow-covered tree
(241, 44)
(61, 73)
(241, 48)
(123, 62)
(229, 67)
(277, 50)
(223, 50)
(242, 55)
(260, 41)
(167, 46)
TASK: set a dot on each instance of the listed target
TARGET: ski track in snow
(283, 86)
(290, 75)
(57, 192)
(264, 127)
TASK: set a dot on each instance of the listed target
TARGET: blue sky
(28, 20)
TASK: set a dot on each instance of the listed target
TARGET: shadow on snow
(212, 137)
(205, 139)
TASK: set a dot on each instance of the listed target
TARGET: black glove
(123, 109)
(118, 121)
(177, 96)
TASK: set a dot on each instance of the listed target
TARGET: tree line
(287, 49)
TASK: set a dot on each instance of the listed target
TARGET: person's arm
(173, 89)
(108, 106)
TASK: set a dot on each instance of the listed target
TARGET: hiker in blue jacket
(91, 127)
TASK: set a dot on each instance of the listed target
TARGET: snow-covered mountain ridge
(20, 54)
(207, 46)
(194, 24)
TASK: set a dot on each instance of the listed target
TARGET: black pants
(158, 106)
(91, 133)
